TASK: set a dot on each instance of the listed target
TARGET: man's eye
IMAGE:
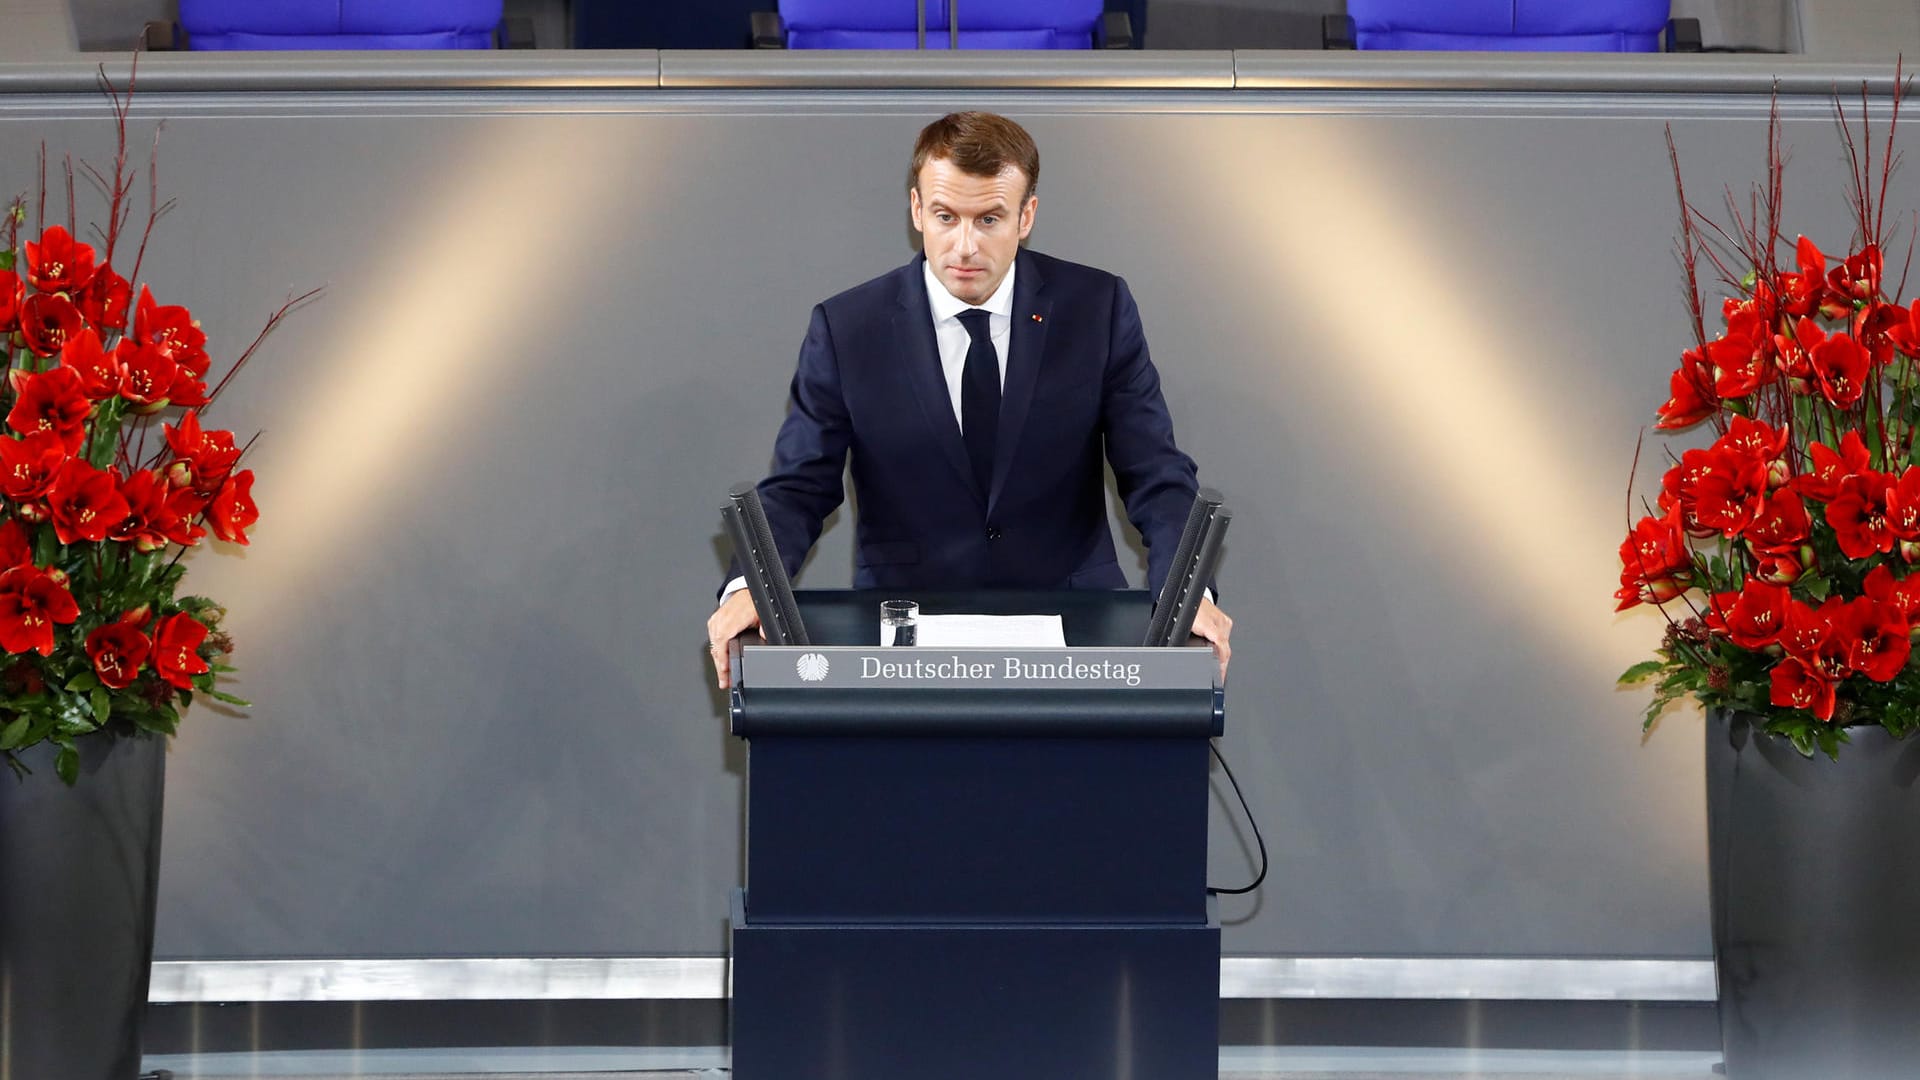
(945, 219)
(989, 221)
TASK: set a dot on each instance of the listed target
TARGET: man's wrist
(733, 586)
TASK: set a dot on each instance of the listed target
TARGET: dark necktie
(980, 396)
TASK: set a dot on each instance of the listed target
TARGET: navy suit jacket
(1079, 383)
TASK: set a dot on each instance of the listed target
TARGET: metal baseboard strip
(707, 978)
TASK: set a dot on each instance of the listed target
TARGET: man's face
(971, 226)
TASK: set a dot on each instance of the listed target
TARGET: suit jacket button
(993, 532)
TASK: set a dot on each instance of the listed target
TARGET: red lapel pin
(1037, 318)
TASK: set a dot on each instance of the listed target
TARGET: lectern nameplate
(843, 667)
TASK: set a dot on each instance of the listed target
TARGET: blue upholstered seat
(1510, 25)
(221, 25)
(984, 24)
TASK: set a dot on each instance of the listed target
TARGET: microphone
(745, 520)
(1193, 565)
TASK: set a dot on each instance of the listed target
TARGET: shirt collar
(947, 306)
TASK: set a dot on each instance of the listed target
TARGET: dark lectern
(973, 863)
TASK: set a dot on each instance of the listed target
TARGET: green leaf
(1816, 586)
(106, 432)
(86, 680)
(1661, 700)
(230, 699)
(71, 718)
(14, 733)
(102, 703)
(6, 260)
(67, 764)
(1640, 672)
(46, 546)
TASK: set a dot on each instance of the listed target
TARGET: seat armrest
(515, 33)
(161, 35)
(768, 33)
(1336, 32)
(1115, 31)
(1683, 36)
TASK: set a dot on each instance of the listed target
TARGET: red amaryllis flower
(176, 641)
(1656, 565)
(204, 458)
(9, 303)
(1801, 294)
(1876, 638)
(186, 391)
(1742, 358)
(157, 515)
(1781, 569)
(1857, 278)
(1858, 515)
(47, 320)
(1822, 482)
(1903, 506)
(1753, 617)
(1757, 443)
(32, 601)
(232, 512)
(27, 465)
(1727, 492)
(1808, 627)
(174, 330)
(1905, 333)
(85, 502)
(1903, 595)
(1840, 365)
(1797, 684)
(15, 548)
(1796, 353)
(50, 401)
(1781, 526)
(100, 371)
(105, 300)
(149, 374)
(1873, 328)
(59, 263)
(1693, 396)
(117, 651)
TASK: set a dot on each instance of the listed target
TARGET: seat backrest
(984, 24)
(1510, 25)
(340, 24)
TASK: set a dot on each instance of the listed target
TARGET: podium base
(967, 1001)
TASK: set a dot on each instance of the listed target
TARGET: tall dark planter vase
(78, 868)
(1815, 869)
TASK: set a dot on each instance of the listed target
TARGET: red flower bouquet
(109, 473)
(1784, 553)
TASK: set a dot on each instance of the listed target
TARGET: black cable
(1257, 838)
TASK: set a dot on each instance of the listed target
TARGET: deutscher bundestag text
(1066, 669)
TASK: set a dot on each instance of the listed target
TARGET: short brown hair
(979, 144)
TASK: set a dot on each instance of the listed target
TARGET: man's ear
(913, 208)
(1026, 215)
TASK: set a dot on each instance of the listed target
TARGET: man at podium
(977, 388)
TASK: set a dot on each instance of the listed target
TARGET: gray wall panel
(1412, 339)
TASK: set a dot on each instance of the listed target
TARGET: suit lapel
(917, 347)
(1026, 349)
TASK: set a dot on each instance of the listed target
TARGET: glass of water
(897, 621)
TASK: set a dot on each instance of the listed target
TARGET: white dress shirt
(952, 336)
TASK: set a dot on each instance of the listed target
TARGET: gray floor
(710, 1063)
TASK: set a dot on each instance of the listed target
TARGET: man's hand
(734, 616)
(1211, 623)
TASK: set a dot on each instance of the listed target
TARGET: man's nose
(969, 240)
